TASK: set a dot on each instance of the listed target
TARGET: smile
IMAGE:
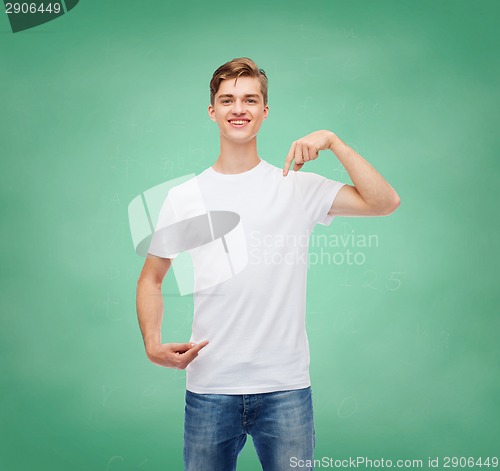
(238, 123)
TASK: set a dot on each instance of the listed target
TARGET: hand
(174, 355)
(307, 148)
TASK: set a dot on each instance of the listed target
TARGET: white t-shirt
(255, 319)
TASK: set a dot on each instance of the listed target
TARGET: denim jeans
(280, 424)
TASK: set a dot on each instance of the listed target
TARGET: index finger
(288, 160)
(194, 350)
(191, 354)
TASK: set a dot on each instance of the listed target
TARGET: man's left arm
(371, 194)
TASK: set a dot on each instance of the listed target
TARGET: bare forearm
(371, 186)
(150, 315)
(149, 303)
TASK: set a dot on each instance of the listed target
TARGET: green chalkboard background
(110, 99)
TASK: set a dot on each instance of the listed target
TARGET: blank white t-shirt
(255, 320)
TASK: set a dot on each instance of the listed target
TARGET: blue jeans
(280, 424)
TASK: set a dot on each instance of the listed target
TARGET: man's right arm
(149, 304)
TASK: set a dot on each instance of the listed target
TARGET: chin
(239, 139)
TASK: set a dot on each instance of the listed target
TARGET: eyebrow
(248, 95)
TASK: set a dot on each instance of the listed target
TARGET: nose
(238, 107)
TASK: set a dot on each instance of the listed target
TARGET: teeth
(238, 122)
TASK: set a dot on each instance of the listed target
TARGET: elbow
(386, 207)
(148, 283)
(391, 205)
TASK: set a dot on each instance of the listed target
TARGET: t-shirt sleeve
(317, 194)
(159, 245)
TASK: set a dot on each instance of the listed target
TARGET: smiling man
(247, 361)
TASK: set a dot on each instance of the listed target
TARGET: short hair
(239, 67)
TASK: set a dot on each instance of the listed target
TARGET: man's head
(239, 67)
(238, 100)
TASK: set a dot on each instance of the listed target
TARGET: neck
(236, 157)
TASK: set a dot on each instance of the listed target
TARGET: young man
(248, 358)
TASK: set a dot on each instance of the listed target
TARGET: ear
(211, 112)
(266, 111)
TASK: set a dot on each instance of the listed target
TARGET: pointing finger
(193, 351)
(191, 354)
(288, 160)
(198, 346)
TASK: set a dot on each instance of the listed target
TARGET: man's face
(239, 109)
